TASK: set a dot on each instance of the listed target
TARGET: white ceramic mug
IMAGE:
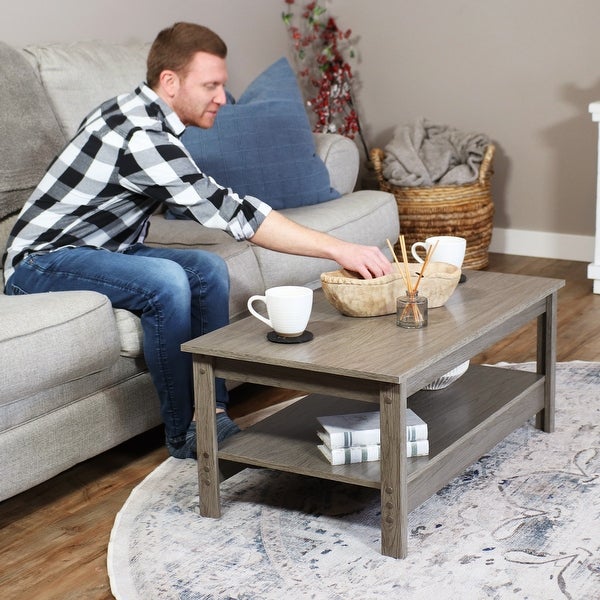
(288, 309)
(450, 249)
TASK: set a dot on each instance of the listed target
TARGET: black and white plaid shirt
(125, 161)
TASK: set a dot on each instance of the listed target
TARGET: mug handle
(413, 250)
(253, 311)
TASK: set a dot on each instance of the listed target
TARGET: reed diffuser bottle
(411, 310)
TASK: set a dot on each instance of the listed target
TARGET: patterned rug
(521, 523)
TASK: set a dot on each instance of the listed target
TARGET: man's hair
(174, 48)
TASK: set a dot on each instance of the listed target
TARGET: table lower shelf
(465, 421)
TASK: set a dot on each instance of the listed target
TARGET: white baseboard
(542, 244)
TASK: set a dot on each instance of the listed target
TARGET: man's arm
(279, 233)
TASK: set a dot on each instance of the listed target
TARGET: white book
(357, 454)
(362, 429)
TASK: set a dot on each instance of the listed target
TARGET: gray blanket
(425, 154)
(31, 137)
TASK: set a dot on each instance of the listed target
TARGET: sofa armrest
(50, 339)
(341, 158)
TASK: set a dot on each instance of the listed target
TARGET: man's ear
(169, 81)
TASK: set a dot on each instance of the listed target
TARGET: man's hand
(367, 261)
(279, 233)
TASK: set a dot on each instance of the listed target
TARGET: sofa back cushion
(30, 136)
(78, 77)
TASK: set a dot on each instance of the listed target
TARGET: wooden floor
(53, 538)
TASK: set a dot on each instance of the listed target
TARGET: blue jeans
(178, 294)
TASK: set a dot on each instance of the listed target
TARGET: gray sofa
(73, 382)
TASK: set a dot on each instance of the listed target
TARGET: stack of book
(355, 438)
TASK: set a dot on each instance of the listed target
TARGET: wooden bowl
(357, 297)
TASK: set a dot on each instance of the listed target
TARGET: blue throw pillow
(262, 145)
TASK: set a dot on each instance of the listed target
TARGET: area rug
(521, 523)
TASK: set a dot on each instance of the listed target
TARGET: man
(83, 227)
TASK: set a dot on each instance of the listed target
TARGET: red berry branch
(320, 47)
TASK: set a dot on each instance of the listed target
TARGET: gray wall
(522, 72)
(252, 29)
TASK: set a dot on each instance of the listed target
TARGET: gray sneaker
(225, 428)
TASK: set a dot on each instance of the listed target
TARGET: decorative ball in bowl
(357, 297)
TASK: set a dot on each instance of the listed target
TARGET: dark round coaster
(463, 278)
(282, 339)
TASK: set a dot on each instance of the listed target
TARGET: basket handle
(485, 170)
(377, 156)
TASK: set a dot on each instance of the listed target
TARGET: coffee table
(353, 363)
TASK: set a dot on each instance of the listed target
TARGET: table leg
(394, 514)
(206, 428)
(546, 362)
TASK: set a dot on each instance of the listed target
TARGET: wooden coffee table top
(486, 307)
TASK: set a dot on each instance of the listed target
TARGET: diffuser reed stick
(406, 268)
(406, 276)
(393, 253)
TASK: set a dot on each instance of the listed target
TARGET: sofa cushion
(130, 331)
(50, 339)
(364, 217)
(262, 145)
(78, 77)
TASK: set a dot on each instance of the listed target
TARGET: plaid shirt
(123, 163)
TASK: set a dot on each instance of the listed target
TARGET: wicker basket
(462, 210)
